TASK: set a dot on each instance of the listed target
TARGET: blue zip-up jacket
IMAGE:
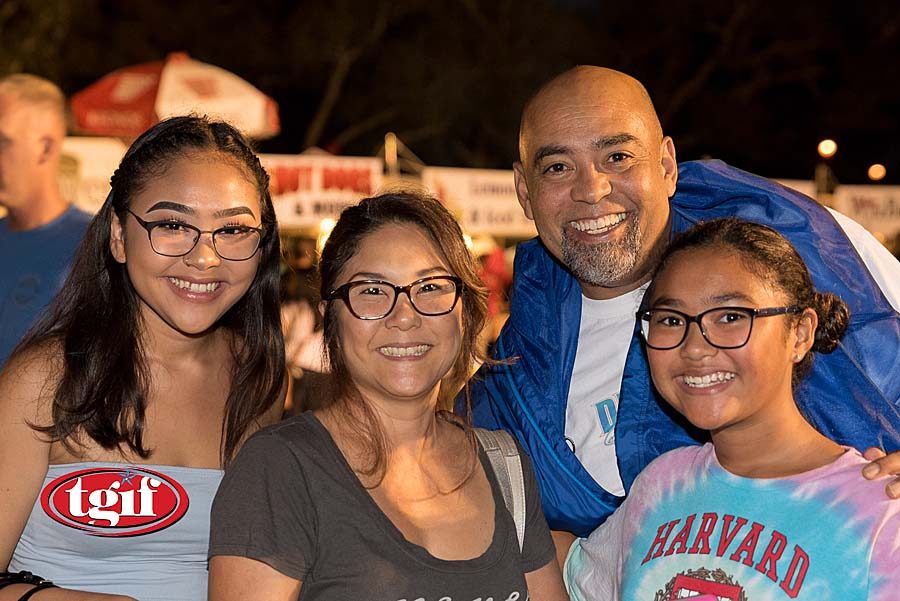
(851, 396)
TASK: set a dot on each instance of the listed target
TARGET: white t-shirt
(603, 341)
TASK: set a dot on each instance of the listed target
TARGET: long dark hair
(94, 320)
(773, 258)
(357, 222)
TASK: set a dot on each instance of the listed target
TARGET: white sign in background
(87, 165)
(309, 188)
(484, 200)
(876, 208)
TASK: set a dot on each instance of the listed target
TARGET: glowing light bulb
(827, 148)
(877, 172)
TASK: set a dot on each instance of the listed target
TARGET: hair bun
(834, 316)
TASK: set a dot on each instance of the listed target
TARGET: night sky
(755, 83)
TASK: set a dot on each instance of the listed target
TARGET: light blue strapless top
(167, 564)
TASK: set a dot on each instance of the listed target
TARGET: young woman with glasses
(161, 354)
(380, 495)
(770, 508)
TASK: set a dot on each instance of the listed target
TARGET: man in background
(41, 231)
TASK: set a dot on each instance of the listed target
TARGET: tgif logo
(115, 502)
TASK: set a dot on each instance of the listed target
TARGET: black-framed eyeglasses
(722, 327)
(375, 299)
(171, 238)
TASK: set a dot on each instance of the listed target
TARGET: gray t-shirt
(291, 500)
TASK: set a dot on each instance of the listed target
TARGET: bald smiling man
(601, 182)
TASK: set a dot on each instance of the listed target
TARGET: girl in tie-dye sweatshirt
(770, 509)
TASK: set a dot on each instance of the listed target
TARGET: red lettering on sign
(284, 179)
(342, 178)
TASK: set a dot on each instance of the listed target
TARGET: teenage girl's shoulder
(27, 385)
(867, 505)
(845, 477)
(29, 380)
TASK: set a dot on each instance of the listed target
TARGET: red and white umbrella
(129, 100)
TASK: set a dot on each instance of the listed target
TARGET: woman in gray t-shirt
(380, 495)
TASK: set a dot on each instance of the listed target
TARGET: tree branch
(693, 85)
(360, 127)
(344, 61)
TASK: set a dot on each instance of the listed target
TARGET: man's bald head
(596, 175)
(588, 84)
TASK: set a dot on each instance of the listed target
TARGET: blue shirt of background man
(33, 265)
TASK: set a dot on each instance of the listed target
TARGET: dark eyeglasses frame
(343, 293)
(689, 319)
(149, 225)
